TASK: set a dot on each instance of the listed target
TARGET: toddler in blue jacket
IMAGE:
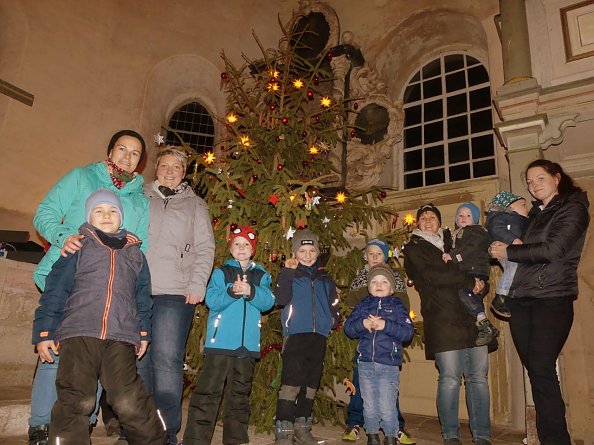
(382, 324)
(238, 292)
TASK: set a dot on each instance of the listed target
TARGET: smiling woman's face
(541, 184)
(428, 222)
(126, 153)
(170, 171)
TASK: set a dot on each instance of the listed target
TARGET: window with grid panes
(448, 123)
(193, 123)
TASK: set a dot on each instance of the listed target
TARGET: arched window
(448, 123)
(193, 123)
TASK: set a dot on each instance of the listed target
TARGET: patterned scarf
(166, 192)
(119, 177)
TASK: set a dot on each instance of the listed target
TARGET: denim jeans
(355, 408)
(473, 364)
(44, 394)
(379, 389)
(162, 366)
(505, 282)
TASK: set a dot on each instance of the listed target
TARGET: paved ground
(424, 429)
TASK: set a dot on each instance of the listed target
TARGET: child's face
(464, 217)
(520, 207)
(241, 249)
(106, 218)
(307, 255)
(374, 256)
(380, 286)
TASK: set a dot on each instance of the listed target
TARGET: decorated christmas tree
(272, 171)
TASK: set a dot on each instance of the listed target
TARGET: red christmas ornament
(310, 95)
(318, 118)
(215, 221)
(353, 133)
(254, 222)
(284, 120)
(233, 227)
(316, 80)
(272, 107)
(273, 199)
(303, 133)
(355, 106)
(255, 177)
(383, 194)
(279, 167)
(329, 55)
(305, 164)
(277, 139)
(258, 161)
(224, 75)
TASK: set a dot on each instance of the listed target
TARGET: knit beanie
(429, 208)
(247, 233)
(382, 269)
(474, 210)
(504, 199)
(305, 237)
(103, 196)
(382, 245)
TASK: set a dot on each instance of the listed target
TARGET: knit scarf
(434, 238)
(166, 192)
(119, 177)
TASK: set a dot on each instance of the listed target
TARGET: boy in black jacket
(95, 311)
(471, 251)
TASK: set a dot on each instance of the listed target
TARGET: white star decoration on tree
(159, 139)
(290, 233)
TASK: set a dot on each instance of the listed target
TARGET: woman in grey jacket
(180, 257)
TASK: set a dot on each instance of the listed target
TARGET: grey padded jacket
(181, 242)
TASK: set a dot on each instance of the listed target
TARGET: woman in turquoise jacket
(58, 218)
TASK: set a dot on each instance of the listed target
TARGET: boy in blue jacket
(238, 292)
(382, 324)
(95, 312)
(309, 300)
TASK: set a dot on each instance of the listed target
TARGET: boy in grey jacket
(95, 312)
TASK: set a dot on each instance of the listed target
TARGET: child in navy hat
(507, 220)
(238, 292)
(470, 250)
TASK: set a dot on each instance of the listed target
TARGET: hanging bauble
(254, 222)
(305, 164)
(258, 161)
(233, 227)
(224, 75)
(353, 133)
(316, 80)
(215, 221)
(254, 177)
(355, 106)
(310, 95)
(382, 194)
(272, 107)
(277, 139)
(410, 283)
(236, 154)
(329, 55)
(283, 257)
(285, 120)
(318, 118)
(266, 245)
(303, 133)
(279, 167)
(230, 204)
(273, 258)
(282, 264)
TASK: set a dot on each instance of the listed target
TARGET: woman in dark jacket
(450, 331)
(544, 287)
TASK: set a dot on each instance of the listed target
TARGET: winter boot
(283, 432)
(499, 307)
(373, 439)
(303, 434)
(390, 440)
(486, 332)
(39, 435)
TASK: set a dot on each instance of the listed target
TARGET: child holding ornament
(310, 309)
(382, 324)
(238, 292)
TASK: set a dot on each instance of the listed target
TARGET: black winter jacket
(552, 247)
(505, 225)
(471, 249)
(448, 325)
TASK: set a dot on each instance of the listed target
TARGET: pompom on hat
(305, 237)
(245, 232)
(381, 269)
(382, 245)
(474, 210)
(103, 196)
(504, 199)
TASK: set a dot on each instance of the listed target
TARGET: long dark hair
(566, 185)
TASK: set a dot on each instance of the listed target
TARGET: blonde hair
(180, 153)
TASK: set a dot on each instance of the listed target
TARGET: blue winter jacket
(309, 300)
(383, 346)
(233, 326)
(99, 292)
(62, 211)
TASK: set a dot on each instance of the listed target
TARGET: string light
(245, 141)
(273, 86)
(341, 198)
(232, 118)
(298, 84)
(313, 150)
(325, 102)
